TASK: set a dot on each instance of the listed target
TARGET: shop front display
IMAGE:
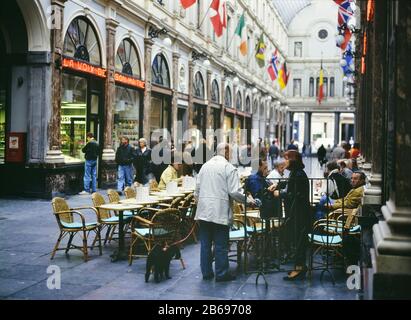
(82, 89)
(160, 113)
(129, 94)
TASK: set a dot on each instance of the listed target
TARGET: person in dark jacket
(321, 153)
(125, 155)
(273, 152)
(297, 206)
(143, 163)
(91, 152)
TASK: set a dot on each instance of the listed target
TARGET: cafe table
(165, 194)
(142, 203)
(121, 253)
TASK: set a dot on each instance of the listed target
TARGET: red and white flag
(218, 16)
(187, 3)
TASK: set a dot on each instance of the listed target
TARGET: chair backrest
(187, 200)
(59, 204)
(165, 228)
(98, 200)
(176, 202)
(130, 193)
(113, 196)
(350, 219)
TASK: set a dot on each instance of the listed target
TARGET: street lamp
(255, 90)
(154, 33)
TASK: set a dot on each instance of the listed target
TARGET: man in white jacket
(218, 184)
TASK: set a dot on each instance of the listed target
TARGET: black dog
(159, 259)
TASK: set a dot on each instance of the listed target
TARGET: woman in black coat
(297, 207)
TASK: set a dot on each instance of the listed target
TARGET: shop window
(127, 60)
(198, 86)
(215, 92)
(126, 115)
(160, 72)
(239, 102)
(81, 42)
(73, 117)
(228, 99)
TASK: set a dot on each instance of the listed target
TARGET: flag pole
(205, 16)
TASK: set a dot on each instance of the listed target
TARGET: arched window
(215, 92)
(248, 105)
(159, 71)
(127, 60)
(228, 99)
(198, 86)
(81, 41)
(239, 101)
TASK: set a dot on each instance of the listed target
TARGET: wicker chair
(174, 204)
(154, 186)
(163, 229)
(328, 235)
(130, 193)
(69, 226)
(104, 217)
(114, 197)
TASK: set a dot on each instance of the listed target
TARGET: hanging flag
(347, 37)
(283, 76)
(187, 3)
(345, 11)
(260, 54)
(321, 84)
(240, 32)
(272, 68)
(218, 16)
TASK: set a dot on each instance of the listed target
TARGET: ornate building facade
(123, 67)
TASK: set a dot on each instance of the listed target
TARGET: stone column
(392, 237)
(336, 128)
(108, 151)
(307, 128)
(54, 154)
(222, 113)
(373, 192)
(174, 102)
(209, 111)
(190, 94)
(108, 174)
(289, 127)
(236, 120)
(148, 46)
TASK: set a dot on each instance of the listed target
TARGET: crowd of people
(218, 186)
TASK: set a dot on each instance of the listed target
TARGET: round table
(142, 203)
(121, 254)
(165, 194)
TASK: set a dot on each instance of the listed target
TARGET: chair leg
(85, 252)
(182, 263)
(69, 242)
(57, 245)
(107, 234)
(130, 255)
(112, 233)
(99, 240)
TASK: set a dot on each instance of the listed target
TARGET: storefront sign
(130, 81)
(83, 67)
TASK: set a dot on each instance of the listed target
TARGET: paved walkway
(28, 232)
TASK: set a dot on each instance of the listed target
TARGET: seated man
(257, 181)
(171, 173)
(351, 201)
